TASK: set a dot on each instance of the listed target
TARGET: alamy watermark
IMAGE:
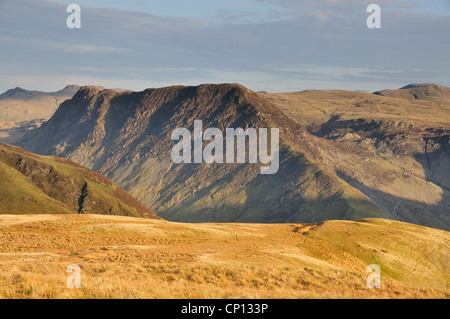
(374, 20)
(235, 143)
(374, 279)
(74, 19)
(74, 279)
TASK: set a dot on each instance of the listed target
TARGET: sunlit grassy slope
(33, 184)
(123, 257)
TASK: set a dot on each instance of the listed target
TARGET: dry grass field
(124, 257)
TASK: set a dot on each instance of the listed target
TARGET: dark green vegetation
(32, 184)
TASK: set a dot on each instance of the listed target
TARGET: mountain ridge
(340, 168)
(20, 105)
(128, 140)
(20, 93)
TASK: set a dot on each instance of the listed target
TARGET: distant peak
(19, 93)
(15, 90)
(224, 87)
(420, 91)
(68, 90)
(419, 85)
(92, 87)
(88, 91)
(72, 87)
(230, 86)
(413, 85)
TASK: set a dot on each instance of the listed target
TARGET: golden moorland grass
(318, 106)
(124, 257)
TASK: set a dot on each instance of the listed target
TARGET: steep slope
(32, 184)
(398, 150)
(127, 137)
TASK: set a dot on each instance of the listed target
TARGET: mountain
(22, 110)
(425, 91)
(126, 136)
(33, 184)
(23, 105)
(398, 151)
(68, 90)
(22, 94)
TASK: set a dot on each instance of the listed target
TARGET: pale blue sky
(272, 45)
(203, 9)
(198, 9)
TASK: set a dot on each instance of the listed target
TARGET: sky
(265, 45)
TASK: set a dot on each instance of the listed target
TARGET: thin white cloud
(318, 44)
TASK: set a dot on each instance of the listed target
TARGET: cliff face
(127, 137)
(33, 184)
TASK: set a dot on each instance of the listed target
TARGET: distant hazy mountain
(22, 110)
(23, 105)
(22, 94)
(326, 171)
(32, 184)
(425, 91)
